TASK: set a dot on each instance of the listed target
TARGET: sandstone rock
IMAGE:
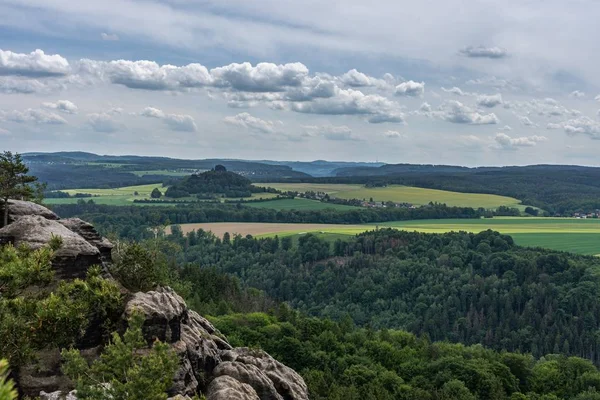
(251, 375)
(288, 382)
(89, 233)
(71, 261)
(227, 388)
(184, 381)
(58, 395)
(19, 208)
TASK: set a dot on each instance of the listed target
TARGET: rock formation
(208, 363)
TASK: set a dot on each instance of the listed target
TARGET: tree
(156, 194)
(125, 370)
(14, 181)
(220, 168)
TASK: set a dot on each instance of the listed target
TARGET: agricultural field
(402, 194)
(299, 204)
(125, 196)
(580, 236)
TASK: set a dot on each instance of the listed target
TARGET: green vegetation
(402, 194)
(7, 389)
(299, 204)
(341, 362)
(15, 183)
(213, 183)
(123, 372)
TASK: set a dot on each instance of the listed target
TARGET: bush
(136, 268)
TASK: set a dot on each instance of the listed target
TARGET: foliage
(14, 181)
(156, 193)
(216, 181)
(340, 361)
(7, 390)
(124, 371)
(33, 317)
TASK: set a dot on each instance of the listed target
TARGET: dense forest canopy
(217, 181)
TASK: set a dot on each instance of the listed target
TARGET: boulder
(89, 233)
(19, 208)
(251, 375)
(286, 381)
(228, 388)
(71, 261)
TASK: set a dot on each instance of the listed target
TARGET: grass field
(402, 194)
(125, 196)
(580, 236)
(299, 204)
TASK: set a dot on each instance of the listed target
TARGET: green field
(402, 194)
(299, 204)
(580, 236)
(125, 196)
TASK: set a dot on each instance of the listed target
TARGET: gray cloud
(410, 88)
(62, 105)
(458, 113)
(526, 121)
(582, 125)
(577, 94)
(103, 122)
(253, 123)
(489, 101)
(456, 91)
(483, 52)
(355, 78)
(35, 64)
(264, 77)
(394, 135)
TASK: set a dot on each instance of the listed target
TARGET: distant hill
(214, 182)
(321, 168)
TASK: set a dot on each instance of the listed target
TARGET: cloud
(472, 141)
(410, 88)
(507, 128)
(489, 101)
(353, 102)
(329, 132)
(4, 132)
(506, 142)
(597, 98)
(15, 85)
(456, 91)
(111, 37)
(355, 78)
(256, 124)
(577, 94)
(149, 75)
(34, 64)
(553, 126)
(425, 107)
(264, 77)
(36, 116)
(483, 52)
(458, 113)
(176, 122)
(582, 125)
(526, 121)
(103, 122)
(62, 105)
(394, 135)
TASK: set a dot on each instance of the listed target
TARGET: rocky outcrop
(208, 363)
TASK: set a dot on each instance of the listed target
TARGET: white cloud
(506, 142)
(176, 122)
(4, 132)
(597, 98)
(507, 128)
(489, 101)
(24, 85)
(483, 52)
(577, 94)
(264, 77)
(526, 121)
(425, 107)
(111, 37)
(354, 102)
(582, 125)
(553, 126)
(456, 91)
(410, 88)
(62, 105)
(329, 132)
(35, 64)
(458, 113)
(256, 124)
(33, 115)
(550, 101)
(355, 78)
(103, 122)
(394, 135)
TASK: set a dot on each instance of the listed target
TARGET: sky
(459, 82)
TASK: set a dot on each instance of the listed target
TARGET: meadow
(580, 236)
(300, 204)
(402, 194)
(125, 196)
